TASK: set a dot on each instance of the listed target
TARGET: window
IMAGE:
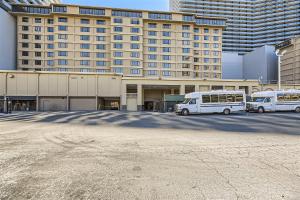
(100, 22)
(152, 41)
(196, 30)
(84, 62)
(101, 71)
(50, 54)
(84, 29)
(101, 63)
(152, 72)
(205, 98)
(91, 11)
(37, 29)
(166, 49)
(50, 21)
(50, 46)
(25, 19)
(135, 63)
(50, 62)
(135, 30)
(188, 18)
(186, 27)
(152, 49)
(118, 21)
(230, 98)
(118, 70)
(167, 65)
(38, 20)
(152, 25)
(118, 54)
(206, 37)
(166, 73)
(216, 53)
(166, 41)
(295, 97)
(62, 28)
(100, 38)
(166, 57)
(135, 54)
(166, 26)
(25, 62)
(160, 16)
(152, 57)
(206, 60)
(216, 38)
(50, 29)
(63, 19)
(60, 9)
(84, 54)
(118, 45)
(196, 37)
(135, 46)
(206, 52)
(50, 37)
(118, 62)
(62, 62)
(62, 53)
(240, 98)
(185, 50)
(206, 45)
(134, 71)
(167, 34)
(216, 31)
(62, 36)
(135, 38)
(37, 37)
(62, 45)
(25, 53)
(152, 64)
(37, 45)
(186, 42)
(85, 70)
(100, 30)
(118, 29)
(38, 62)
(216, 60)
(101, 46)
(25, 28)
(25, 36)
(152, 33)
(118, 37)
(196, 44)
(186, 35)
(84, 46)
(38, 54)
(85, 37)
(135, 21)
(84, 21)
(100, 55)
(206, 30)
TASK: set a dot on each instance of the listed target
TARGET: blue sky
(133, 4)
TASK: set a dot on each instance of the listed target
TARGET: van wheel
(226, 112)
(297, 110)
(261, 110)
(185, 112)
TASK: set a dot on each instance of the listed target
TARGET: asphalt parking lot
(119, 155)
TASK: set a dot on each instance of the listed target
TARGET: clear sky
(133, 4)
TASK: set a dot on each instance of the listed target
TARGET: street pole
(279, 72)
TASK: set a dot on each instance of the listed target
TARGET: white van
(281, 100)
(212, 102)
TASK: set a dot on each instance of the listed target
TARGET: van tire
(297, 110)
(226, 111)
(185, 112)
(261, 110)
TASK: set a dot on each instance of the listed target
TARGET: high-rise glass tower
(250, 23)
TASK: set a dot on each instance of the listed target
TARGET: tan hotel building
(88, 58)
(134, 43)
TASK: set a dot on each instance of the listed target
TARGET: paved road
(117, 155)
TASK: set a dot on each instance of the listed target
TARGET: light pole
(279, 66)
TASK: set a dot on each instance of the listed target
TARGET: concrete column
(37, 103)
(68, 103)
(139, 97)
(5, 105)
(182, 90)
(197, 88)
(123, 97)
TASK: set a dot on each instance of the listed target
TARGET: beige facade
(134, 43)
(290, 61)
(64, 91)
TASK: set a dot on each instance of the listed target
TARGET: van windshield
(186, 101)
(258, 99)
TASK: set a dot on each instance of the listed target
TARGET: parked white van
(281, 100)
(212, 102)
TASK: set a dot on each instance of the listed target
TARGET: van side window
(295, 97)
(193, 101)
(206, 99)
(230, 98)
(214, 98)
(280, 97)
(222, 98)
(287, 97)
(239, 98)
(267, 100)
